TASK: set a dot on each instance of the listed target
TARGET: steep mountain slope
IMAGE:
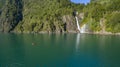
(103, 14)
(46, 15)
(57, 16)
(41, 15)
(2, 3)
(11, 15)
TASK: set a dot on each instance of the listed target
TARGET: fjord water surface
(59, 50)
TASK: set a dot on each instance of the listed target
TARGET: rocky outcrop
(70, 23)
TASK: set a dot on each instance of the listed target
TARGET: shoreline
(101, 33)
(73, 32)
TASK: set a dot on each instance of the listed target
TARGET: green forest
(57, 15)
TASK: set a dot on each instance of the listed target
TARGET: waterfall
(83, 28)
(78, 26)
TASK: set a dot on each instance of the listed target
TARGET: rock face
(26, 16)
(11, 15)
(67, 24)
(35, 16)
(70, 23)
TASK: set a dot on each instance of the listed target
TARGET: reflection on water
(77, 41)
(59, 50)
(9, 49)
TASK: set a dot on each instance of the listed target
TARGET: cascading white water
(78, 26)
(81, 29)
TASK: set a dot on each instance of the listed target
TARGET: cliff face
(38, 16)
(64, 24)
(11, 15)
(47, 16)
(56, 16)
(2, 2)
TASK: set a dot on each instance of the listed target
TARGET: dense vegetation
(2, 2)
(39, 15)
(45, 15)
(49, 15)
(11, 15)
(109, 10)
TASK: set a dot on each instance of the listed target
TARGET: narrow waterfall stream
(78, 26)
(81, 29)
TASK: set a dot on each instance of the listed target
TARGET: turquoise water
(59, 50)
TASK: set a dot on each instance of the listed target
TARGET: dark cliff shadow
(11, 15)
(18, 15)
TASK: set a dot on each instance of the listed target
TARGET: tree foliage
(113, 22)
(107, 9)
(47, 15)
